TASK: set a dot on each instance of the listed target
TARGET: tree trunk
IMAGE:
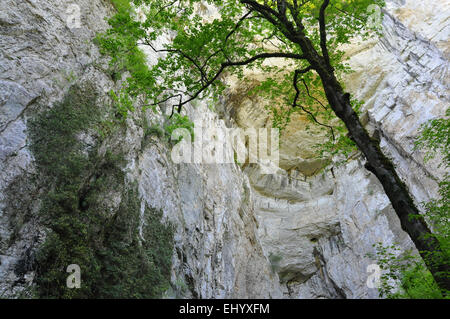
(377, 163)
(384, 170)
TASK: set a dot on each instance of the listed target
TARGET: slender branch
(192, 60)
(228, 64)
(236, 27)
(238, 24)
(348, 13)
(164, 7)
(297, 95)
(323, 32)
(281, 22)
(314, 98)
(263, 9)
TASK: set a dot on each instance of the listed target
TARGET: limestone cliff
(302, 233)
(338, 215)
(216, 253)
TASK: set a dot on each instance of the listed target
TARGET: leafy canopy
(200, 41)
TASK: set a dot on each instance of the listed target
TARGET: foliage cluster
(416, 281)
(83, 228)
(200, 48)
(406, 269)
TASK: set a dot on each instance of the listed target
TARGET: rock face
(404, 81)
(39, 58)
(216, 254)
(322, 227)
(302, 233)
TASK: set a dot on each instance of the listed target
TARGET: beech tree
(308, 35)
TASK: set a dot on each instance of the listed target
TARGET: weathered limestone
(302, 233)
(217, 252)
(338, 216)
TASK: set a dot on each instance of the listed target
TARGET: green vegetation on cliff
(416, 282)
(121, 254)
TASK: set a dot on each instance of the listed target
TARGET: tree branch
(238, 24)
(192, 60)
(280, 21)
(315, 99)
(226, 65)
(297, 95)
(323, 32)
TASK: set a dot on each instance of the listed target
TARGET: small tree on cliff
(306, 34)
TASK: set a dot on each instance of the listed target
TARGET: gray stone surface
(217, 253)
(230, 223)
(403, 78)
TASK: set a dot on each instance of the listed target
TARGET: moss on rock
(121, 254)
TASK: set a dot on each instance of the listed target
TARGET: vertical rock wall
(238, 234)
(217, 253)
(322, 227)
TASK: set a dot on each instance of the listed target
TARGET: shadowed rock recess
(103, 192)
